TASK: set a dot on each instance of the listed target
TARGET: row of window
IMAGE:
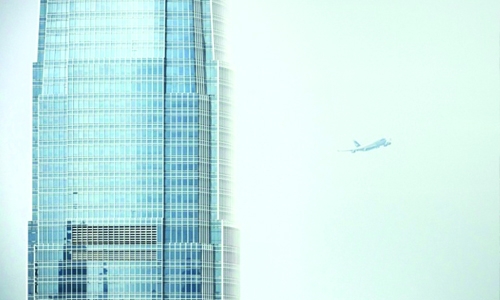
(104, 118)
(153, 72)
(54, 216)
(175, 210)
(144, 37)
(95, 206)
(142, 159)
(114, 104)
(122, 21)
(115, 181)
(98, 288)
(118, 104)
(125, 103)
(116, 150)
(120, 199)
(96, 6)
(171, 100)
(50, 105)
(132, 70)
(139, 38)
(125, 52)
(125, 87)
(100, 137)
(110, 189)
(118, 269)
(171, 234)
(153, 35)
(104, 20)
(116, 167)
(135, 40)
(136, 136)
(110, 197)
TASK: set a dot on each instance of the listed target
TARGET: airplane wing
(351, 150)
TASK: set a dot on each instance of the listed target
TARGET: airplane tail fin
(357, 144)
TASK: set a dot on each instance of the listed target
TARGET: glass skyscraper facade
(132, 194)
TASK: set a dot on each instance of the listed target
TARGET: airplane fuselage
(377, 144)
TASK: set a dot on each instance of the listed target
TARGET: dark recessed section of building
(114, 255)
(113, 235)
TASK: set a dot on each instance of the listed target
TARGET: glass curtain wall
(132, 193)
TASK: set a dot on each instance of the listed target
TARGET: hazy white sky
(417, 220)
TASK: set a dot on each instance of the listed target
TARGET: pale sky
(416, 220)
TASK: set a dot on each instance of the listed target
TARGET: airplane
(382, 142)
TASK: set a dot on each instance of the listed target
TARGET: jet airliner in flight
(382, 142)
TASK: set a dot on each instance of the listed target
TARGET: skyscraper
(132, 152)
